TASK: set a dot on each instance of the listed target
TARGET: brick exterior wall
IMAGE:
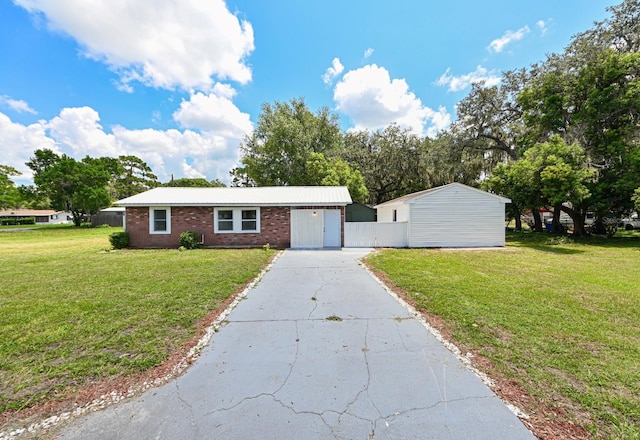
(275, 228)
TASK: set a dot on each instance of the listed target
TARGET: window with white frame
(224, 220)
(160, 220)
(236, 220)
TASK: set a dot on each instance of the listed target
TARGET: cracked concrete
(279, 369)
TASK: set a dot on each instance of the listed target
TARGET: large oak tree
(78, 187)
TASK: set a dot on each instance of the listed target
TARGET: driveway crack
(293, 364)
(365, 389)
(192, 418)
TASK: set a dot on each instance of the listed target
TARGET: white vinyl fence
(370, 234)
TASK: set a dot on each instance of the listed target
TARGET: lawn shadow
(553, 243)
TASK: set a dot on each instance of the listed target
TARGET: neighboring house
(357, 212)
(283, 217)
(453, 215)
(113, 216)
(41, 216)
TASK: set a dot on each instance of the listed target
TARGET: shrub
(119, 240)
(18, 221)
(189, 240)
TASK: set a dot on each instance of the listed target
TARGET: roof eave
(143, 205)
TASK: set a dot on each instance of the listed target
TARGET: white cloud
(372, 100)
(77, 132)
(368, 53)
(332, 72)
(20, 141)
(17, 105)
(440, 120)
(457, 83)
(498, 44)
(542, 25)
(166, 152)
(78, 129)
(215, 113)
(163, 44)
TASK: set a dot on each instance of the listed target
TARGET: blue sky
(179, 83)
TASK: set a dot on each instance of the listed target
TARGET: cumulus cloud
(368, 53)
(17, 105)
(20, 141)
(372, 100)
(77, 132)
(499, 44)
(166, 151)
(214, 112)
(332, 72)
(457, 83)
(157, 43)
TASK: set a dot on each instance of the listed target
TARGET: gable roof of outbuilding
(242, 196)
(413, 197)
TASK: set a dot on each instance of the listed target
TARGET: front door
(332, 235)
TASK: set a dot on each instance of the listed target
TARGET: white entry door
(332, 236)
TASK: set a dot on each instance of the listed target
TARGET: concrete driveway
(317, 350)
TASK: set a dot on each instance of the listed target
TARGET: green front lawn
(72, 314)
(561, 319)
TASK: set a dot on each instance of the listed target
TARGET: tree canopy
(10, 196)
(278, 150)
(131, 175)
(193, 182)
(78, 187)
(589, 95)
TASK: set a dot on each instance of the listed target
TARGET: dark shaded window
(159, 219)
(225, 220)
(249, 220)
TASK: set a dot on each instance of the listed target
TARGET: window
(395, 215)
(225, 220)
(249, 222)
(160, 220)
(236, 220)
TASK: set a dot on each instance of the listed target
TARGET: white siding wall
(370, 234)
(457, 217)
(385, 214)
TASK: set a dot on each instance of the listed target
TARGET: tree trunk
(518, 220)
(537, 223)
(578, 221)
(578, 226)
(77, 217)
(556, 226)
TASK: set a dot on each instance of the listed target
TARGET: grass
(558, 317)
(72, 314)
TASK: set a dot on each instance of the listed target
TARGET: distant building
(357, 212)
(113, 216)
(41, 216)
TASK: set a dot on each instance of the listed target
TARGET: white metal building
(453, 215)
(41, 216)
